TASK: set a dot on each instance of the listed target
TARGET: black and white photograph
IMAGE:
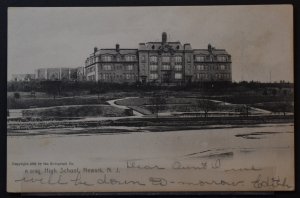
(150, 99)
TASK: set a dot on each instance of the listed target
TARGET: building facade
(112, 65)
(56, 74)
(159, 62)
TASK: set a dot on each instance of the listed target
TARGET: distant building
(56, 74)
(23, 77)
(159, 62)
(81, 74)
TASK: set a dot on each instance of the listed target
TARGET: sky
(259, 38)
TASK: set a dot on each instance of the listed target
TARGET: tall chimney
(164, 37)
(117, 47)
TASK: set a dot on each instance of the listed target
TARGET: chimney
(95, 49)
(164, 37)
(209, 48)
(117, 47)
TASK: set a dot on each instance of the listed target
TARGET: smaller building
(56, 73)
(81, 74)
(23, 77)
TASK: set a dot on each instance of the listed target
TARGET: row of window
(165, 59)
(165, 67)
(178, 59)
(199, 58)
(154, 76)
(111, 76)
(154, 59)
(119, 67)
(217, 76)
(109, 58)
(214, 67)
(108, 67)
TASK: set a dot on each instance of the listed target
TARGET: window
(130, 58)
(189, 59)
(127, 76)
(107, 58)
(90, 69)
(165, 59)
(153, 76)
(222, 67)
(107, 67)
(153, 67)
(178, 67)
(166, 67)
(200, 67)
(202, 76)
(91, 78)
(153, 59)
(143, 58)
(129, 67)
(178, 59)
(221, 58)
(105, 76)
(199, 58)
(178, 75)
(218, 76)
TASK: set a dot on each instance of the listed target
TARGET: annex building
(159, 62)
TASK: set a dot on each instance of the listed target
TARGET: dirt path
(113, 103)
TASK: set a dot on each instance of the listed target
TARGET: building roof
(213, 51)
(113, 51)
(157, 45)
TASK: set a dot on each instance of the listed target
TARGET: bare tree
(284, 107)
(206, 106)
(157, 102)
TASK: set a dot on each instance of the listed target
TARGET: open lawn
(76, 111)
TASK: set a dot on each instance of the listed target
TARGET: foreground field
(243, 154)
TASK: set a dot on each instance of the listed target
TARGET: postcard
(150, 99)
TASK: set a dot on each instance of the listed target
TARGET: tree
(157, 102)
(284, 107)
(274, 92)
(17, 95)
(245, 110)
(52, 87)
(206, 106)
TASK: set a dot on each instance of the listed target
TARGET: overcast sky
(259, 38)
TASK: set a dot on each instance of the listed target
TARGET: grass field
(76, 111)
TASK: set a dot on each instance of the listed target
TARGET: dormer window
(107, 58)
